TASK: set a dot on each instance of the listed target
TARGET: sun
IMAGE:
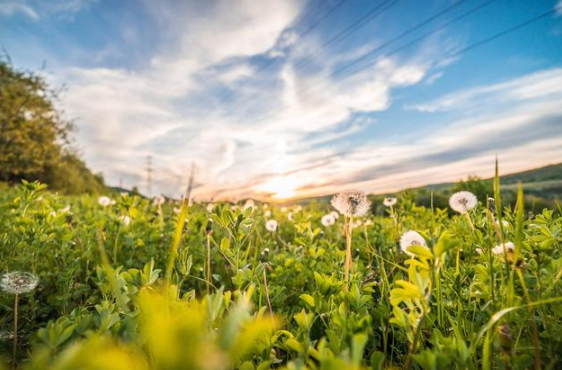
(281, 187)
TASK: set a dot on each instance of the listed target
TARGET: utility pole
(149, 175)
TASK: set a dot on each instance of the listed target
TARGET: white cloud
(535, 85)
(11, 7)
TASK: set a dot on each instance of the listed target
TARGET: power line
(466, 49)
(357, 24)
(270, 61)
(372, 14)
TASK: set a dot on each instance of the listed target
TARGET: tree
(35, 136)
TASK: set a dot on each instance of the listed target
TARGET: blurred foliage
(35, 139)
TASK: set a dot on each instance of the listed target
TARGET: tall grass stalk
(15, 344)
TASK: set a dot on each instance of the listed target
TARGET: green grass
(116, 296)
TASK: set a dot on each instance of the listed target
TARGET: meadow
(125, 282)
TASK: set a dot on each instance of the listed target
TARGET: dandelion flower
(499, 249)
(271, 225)
(158, 200)
(105, 201)
(267, 214)
(291, 216)
(18, 282)
(368, 222)
(411, 238)
(126, 220)
(328, 220)
(283, 209)
(463, 201)
(335, 214)
(210, 207)
(479, 250)
(351, 203)
(249, 204)
(389, 201)
(298, 208)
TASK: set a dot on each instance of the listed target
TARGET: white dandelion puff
(298, 208)
(335, 214)
(389, 201)
(328, 220)
(411, 238)
(479, 250)
(126, 220)
(283, 209)
(499, 249)
(105, 201)
(210, 207)
(158, 200)
(291, 216)
(368, 222)
(267, 214)
(249, 204)
(18, 282)
(351, 203)
(463, 201)
(271, 225)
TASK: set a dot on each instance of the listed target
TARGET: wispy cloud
(536, 85)
(12, 7)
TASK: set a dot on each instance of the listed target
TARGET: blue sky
(294, 97)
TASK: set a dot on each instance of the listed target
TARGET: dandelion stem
(534, 330)
(267, 291)
(208, 273)
(467, 216)
(348, 229)
(15, 346)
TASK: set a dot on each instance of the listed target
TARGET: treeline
(35, 142)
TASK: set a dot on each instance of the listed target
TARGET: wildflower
(369, 222)
(335, 214)
(351, 203)
(105, 201)
(126, 220)
(499, 249)
(411, 238)
(389, 201)
(18, 282)
(479, 250)
(463, 201)
(158, 200)
(267, 214)
(357, 223)
(283, 209)
(271, 225)
(291, 216)
(177, 210)
(249, 204)
(298, 208)
(210, 207)
(65, 210)
(328, 220)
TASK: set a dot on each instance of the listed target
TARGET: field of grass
(131, 283)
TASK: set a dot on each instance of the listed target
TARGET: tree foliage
(35, 136)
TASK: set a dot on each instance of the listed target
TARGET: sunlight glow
(281, 187)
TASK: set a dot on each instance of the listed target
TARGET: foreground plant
(350, 203)
(17, 283)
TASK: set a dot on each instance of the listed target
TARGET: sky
(276, 99)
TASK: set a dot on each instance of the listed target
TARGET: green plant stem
(348, 230)
(534, 329)
(15, 346)
(412, 348)
(208, 272)
(266, 290)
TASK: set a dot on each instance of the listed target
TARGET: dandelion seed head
(271, 225)
(267, 214)
(18, 282)
(328, 220)
(249, 204)
(463, 201)
(105, 201)
(126, 220)
(410, 238)
(499, 249)
(351, 203)
(335, 214)
(291, 216)
(158, 200)
(389, 201)
(210, 207)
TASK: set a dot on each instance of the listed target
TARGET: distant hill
(542, 186)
